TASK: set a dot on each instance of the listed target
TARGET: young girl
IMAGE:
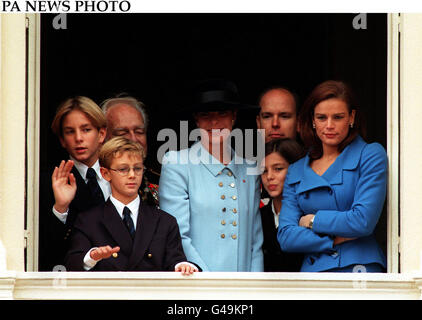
(279, 154)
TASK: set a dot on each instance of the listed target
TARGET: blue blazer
(216, 207)
(347, 201)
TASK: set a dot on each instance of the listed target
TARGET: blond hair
(83, 104)
(115, 147)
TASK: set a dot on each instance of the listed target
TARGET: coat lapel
(347, 160)
(207, 160)
(82, 201)
(83, 198)
(115, 226)
(80, 183)
(215, 167)
(310, 179)
(145, 229)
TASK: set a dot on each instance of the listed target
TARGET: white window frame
(33, 141)
(393, 150)
(33, 23)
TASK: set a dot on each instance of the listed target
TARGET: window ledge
(207, 286)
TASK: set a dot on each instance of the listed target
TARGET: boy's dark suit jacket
(276, 260)
(54, 234)
(157, 244)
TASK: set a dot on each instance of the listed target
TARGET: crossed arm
(359, 221)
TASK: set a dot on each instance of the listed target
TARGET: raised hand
(64, 185)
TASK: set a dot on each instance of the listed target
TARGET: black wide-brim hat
(216, 95)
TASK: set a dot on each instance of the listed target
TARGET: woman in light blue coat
(333, 197)
(212, 192)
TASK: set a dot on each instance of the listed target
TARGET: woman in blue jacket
(333, 197)
(212, 192)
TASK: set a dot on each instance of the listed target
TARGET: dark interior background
(157, 57)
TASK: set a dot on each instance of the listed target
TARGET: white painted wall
(411, 142)
(12, 138)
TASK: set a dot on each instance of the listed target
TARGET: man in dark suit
(125, 234)
(76, 185)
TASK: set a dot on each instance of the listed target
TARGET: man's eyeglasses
(125, 171)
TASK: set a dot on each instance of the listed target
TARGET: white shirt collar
(83, 168)
(133, 207)
(276, 214)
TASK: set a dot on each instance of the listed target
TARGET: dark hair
(281, 88)
(288, 148)
(324, 91)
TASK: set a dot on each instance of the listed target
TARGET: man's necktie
(127, 219)
(97, 194)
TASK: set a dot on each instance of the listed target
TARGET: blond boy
(125, 234)
(75, 185)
